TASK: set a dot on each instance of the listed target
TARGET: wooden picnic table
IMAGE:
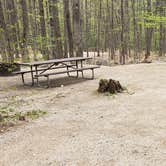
(72, 59)
(69, 64)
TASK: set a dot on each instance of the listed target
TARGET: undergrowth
(9, 117)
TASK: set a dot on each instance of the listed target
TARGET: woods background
(46, 29)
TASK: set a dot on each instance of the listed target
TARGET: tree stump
(111, 86)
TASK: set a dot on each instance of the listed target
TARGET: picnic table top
(55, 61)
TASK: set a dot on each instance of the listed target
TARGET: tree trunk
(43, 29)
(68, 29)
(77, 27)
(7, 43)
(148, 32)
(135, 32)
(99, 29)
(56, 29)
(86, 28)
(25, 30)
(112, 32)
(122, 57)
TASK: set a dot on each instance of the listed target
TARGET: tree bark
(9, 54)
(56, 29)
(25, 21)
(99, 28)
(43, 30)
(77, 27)
(68, 29)
(122, 57)
(148, 32)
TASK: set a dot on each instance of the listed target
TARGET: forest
(82, 82)
(48, 29)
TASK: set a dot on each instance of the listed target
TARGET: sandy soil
(84, 128)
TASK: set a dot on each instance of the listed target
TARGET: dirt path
(85, 129)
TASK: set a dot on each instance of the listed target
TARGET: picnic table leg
(37, 74)
(82, 70)
(48, 82)
(92, 74)
(77, 68)
(68, 72)
(32, 75)
(23, 81)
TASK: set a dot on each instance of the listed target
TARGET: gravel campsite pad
(85, 128)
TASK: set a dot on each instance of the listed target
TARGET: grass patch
(110, 94)
(9, 117)
(127, 91)
(34, 114)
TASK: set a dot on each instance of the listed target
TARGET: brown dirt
(85, 128)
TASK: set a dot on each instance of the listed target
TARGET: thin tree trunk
(3, 26)
(43, 30)
(86, 29)
(122, 57)
(135, 32)
(112, 32)
(148, 32)
(25, 30)
(99, 29)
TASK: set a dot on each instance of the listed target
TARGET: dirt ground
(83, 128)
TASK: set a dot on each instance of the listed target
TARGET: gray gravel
(87, 129)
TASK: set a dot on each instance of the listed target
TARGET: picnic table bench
(50, 67)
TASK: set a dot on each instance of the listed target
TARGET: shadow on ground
(54, 82)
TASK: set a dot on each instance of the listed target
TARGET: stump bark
(111, 86)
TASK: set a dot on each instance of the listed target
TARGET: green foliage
(34, 114)
(34, 40)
